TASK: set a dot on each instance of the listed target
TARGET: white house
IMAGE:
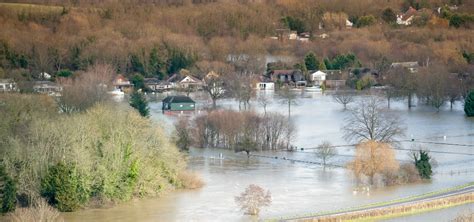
(191, 82)
(411, 66)
(318, 77)
(47, 87)
(265, 86)
(349, 24)
(7, 85)
(45, 75)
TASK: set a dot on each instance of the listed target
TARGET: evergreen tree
(422, 163)
(7, 192)
(389, 16)
(311, 61)
(469, 104)
(138, 101)
(138, 82)
(156, 65)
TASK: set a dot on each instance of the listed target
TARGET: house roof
(194, 79)
(178, 99)
(319, 73)
(405, 64)
(409, 13)
(151, 81)
(6, 81)
(285, 72)
(174, 78)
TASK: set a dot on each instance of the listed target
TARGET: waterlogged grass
(20, 7)
(379, 204)
(412, 212)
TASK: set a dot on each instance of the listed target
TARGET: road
(410, 201)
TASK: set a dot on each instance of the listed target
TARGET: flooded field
(298, 188)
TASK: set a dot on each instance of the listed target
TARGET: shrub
(364, 21)
(183, 135)
(422, 163)
(7, 192)
(138, 101)
(253, 199)
(190, 180)
(40, 212)
(64, 188)
(64, 73)
(469, 104)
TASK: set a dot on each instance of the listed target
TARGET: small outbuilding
(178, 103)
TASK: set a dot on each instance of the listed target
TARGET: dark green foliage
(342, 62)
(461, 20)
(271, 66)
(311, 62)
(9, 58)
(389, 16)
(156, 65)
(136, 65)
(139, 102)
(422, 163)
(64, 188)
(64, 73)
(364, 21)
(469, 104)
(293, 24)
(469, 57)
(179, 59)
(138, 82)
(7, 192)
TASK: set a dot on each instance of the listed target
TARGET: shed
(178, 103)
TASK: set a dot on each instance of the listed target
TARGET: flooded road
(297, 188)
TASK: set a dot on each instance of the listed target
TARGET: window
(180, 105)
(192, 105)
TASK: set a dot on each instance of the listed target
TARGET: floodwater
(297, 188)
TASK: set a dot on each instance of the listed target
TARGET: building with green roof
(178, 103)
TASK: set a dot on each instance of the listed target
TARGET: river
(298, 188)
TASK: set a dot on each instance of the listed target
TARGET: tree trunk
(388, 100)
(214, 105)
(409, 101)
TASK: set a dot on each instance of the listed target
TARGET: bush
(422, 163)
(7, 192)
(138, 101)
(64, 188)
(40, 212)
(183, 135)
(469, 104)
(64, 73)
(190, 180)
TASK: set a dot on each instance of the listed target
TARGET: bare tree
(325, 151)
(240, 86)
(214, 86)
(86, 89)
(253, 199)
(288, 97)
(343, 97)
(369, 121)
(264, 101)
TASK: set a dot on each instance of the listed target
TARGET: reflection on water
(298, 188)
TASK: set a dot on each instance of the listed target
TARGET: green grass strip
(378, 204)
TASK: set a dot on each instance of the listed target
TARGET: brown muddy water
(298, 188)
